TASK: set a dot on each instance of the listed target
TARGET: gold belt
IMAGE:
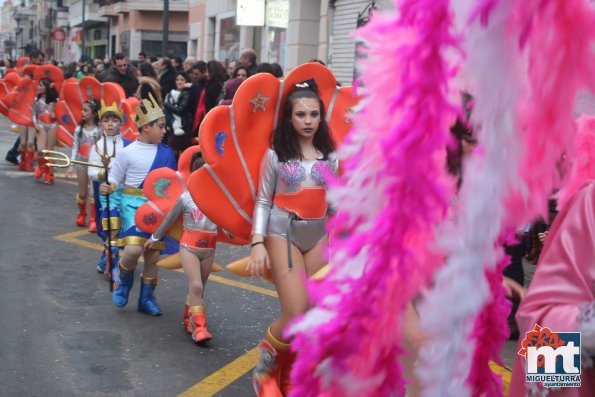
(133, 191)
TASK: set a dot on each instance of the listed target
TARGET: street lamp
(83, 27)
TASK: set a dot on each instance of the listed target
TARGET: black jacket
(167, 81)
(183, 109)
(128, 82)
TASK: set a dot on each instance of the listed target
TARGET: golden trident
(61, 160)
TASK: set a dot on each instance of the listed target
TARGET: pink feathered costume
(564, 281)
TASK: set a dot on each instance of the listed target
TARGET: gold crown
(153, 112)
(113, 108)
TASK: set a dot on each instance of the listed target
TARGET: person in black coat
(178, 103)
(121, 73)
(167, 77)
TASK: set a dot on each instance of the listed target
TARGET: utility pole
(83, 26)
(164, 43)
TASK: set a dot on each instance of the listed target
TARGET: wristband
(256, 243)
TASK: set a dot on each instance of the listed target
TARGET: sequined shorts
(305, 234)
(201, 254)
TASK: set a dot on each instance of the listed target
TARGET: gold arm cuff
(149, 280)
(197, 309)
(101, 176)
(115, 223)
(132, 191)
(136, 240)
(126, 269)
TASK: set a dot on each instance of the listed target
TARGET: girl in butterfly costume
(197, 247)
(85, 136)
(289, 223)
(45, 125)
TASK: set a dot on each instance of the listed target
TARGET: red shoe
(23, 159)
(266, 378)
(49, 175)
(186, 318)
(92, 222)
(82, 206)
(41, 168)
(198, 324)
(29, 153)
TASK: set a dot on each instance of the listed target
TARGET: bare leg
(292, 293)
(82, 180)
(192, 269)
(51, 140)
(23, 136)
(130, 256)
(151, 259)
(42, 139)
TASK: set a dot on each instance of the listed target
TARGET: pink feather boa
(559, 41)
(583, 169)
(393, 194)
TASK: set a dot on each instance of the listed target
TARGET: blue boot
(122, 286)
(146, 300)
(115, 258)
(102, 263)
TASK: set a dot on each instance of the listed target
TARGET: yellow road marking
(222, 378)
(72, 238)
(239, 284)
(68, 182)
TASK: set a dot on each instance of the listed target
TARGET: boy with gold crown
(110, 120)
(132, 165)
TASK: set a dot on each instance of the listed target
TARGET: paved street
(62, 336)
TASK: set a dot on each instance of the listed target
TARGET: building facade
(137, 25)
(282, 31)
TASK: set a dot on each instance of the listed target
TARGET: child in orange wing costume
(197, 252)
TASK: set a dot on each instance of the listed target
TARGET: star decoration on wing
(259, 102)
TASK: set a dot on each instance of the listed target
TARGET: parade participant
(289, 223)
(84, 140)
(45, 126)
(561, 296)
(132, 164)
(110, 120)
(197, 251)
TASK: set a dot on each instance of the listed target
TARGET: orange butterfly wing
(235, 138)
(7, 85)
(21, 102)
(51, 72)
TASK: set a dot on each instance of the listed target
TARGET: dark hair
(264, 67)
(142, 54)
(178, 60)
(235, 72)
(117, 56)
(216, 71)
(317, 61)
(200, 65)
(185, 75)
(94, 105)
(166, 62)
(276, 70)
(460, 131)
(146, 69)
(285, 140)
(51, 94)
(36, 53)
(196, 161)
